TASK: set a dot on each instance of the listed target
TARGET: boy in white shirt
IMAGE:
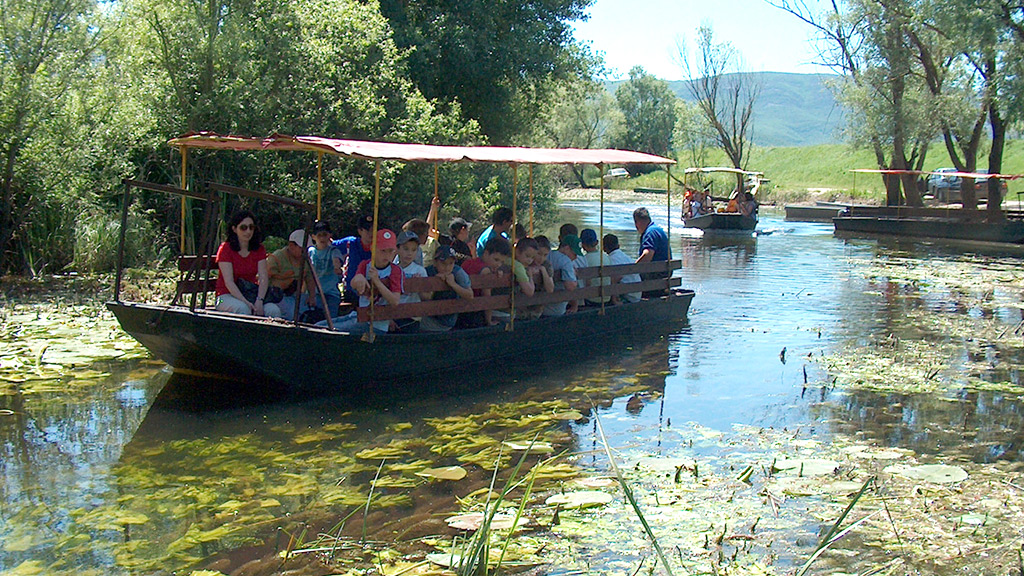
(616, 257)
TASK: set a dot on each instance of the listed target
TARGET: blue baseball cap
(588, 236)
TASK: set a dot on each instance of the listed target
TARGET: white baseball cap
(297, 237)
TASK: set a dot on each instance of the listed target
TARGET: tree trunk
(995, 163)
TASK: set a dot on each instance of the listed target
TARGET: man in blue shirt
(355, 249)
(654, 247)
(501, 222)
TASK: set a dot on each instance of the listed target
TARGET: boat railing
(195, 271)
(505, 301)
(913, 212)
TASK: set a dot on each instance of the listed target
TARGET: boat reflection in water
(312, 463)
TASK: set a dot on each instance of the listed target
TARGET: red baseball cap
(386, 239)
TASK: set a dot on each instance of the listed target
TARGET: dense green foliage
(91, 93)
(648, 110)
(503, 60)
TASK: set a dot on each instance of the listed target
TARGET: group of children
(344, 271)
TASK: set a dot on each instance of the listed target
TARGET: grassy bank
(822, 172)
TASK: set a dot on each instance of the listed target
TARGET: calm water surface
(74, 459)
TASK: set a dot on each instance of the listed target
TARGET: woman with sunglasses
(243, 259)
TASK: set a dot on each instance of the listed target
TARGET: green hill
(792, 109)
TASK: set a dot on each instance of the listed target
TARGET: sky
(646, 33)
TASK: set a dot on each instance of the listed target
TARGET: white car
(616, 173)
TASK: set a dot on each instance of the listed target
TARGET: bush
(97, 235)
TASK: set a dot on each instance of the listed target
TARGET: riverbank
(771, 198)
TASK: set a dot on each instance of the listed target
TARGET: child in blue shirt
(326, 262)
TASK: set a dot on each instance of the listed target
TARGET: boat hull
(1008, 231)
(795, 213)
(729, 221)
(286, 359)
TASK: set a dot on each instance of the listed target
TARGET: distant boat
(954, 224)
(921, 222)
(819, 212)
(744, 220)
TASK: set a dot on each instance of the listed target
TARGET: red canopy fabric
(417, 152)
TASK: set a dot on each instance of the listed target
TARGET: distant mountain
(792, 109)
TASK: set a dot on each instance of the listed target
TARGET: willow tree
(648, 110)
(891, 109)
(724, 94)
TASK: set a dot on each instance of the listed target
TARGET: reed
(629, 494)
(473, 560)
(834, 535)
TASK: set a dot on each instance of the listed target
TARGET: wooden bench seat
(504, 301)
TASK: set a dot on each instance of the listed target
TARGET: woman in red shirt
(243, 257)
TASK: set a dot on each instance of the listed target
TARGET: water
(106, 478)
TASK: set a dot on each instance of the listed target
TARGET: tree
(694, 136)
(648, 110)
(257, 67)
(585, 116)
(503, 60)
(46, 47)
(724, 95)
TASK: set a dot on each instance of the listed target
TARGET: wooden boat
(943, 223)
(722, 221)
(819, 212)
(730, 222)
(295, 359)
(948, 223)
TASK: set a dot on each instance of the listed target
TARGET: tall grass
(96, 238)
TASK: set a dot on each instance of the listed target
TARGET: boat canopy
(975, 175)
(366, 150)
(712, 169)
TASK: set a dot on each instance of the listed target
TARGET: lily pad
(807, 466)
(451, 473)
(595, 482)
(580, 499)
(474, 520)
(536, 447)
(972, 518)
(937, 473)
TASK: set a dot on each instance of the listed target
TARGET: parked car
(616, 173)
(981, 187)
(943, 187)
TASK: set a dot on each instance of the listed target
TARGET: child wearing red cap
(384, 279)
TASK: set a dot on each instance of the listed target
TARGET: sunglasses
(246, 227)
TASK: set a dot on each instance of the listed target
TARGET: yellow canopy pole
(668, 204)
(433, 225)
(512, 293)
(184, 186)
(319, 182)
(531, 200)
(371, 334)
(600, 245)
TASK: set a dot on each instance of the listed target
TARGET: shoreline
(774, 198)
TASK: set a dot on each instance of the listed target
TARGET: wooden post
(600, 245)
(668, 207)
(184, 186)
(512, 293)
(371, 335)
(531, 200)
(319, 182)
